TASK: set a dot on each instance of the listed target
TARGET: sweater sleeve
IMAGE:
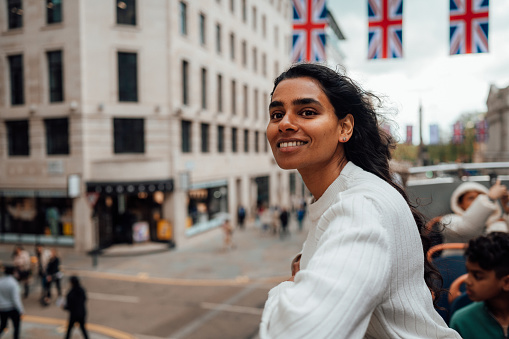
(17, 298)
(344, 281)
(471, 224)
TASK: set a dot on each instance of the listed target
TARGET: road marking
(200, 321)
(108, 331)
(232, 308)
(113, 297)
(242, 281)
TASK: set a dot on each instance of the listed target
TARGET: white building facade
(497, 146)
(122, 120)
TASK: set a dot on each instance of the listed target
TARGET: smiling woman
(359, 273)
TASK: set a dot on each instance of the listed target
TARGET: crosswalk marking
(232, 308)
(113, 297)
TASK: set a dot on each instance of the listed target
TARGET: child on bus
(475, 212)
(488, 285)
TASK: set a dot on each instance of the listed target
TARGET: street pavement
(258, 258)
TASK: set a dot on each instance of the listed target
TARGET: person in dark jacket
(53, 275)
(75, 304)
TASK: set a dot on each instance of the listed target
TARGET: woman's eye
(276, 115)
(307, 113)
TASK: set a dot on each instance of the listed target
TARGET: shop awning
(130, 187)
(32, 193)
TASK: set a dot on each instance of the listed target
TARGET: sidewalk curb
(100, 329)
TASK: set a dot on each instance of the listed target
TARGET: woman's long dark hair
(369, 146)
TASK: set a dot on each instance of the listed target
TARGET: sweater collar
(318, 207)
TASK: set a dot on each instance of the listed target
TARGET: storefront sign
(73, 186)
(132, 187)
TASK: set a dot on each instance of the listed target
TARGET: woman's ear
(346, 128)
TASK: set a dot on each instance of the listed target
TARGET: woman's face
(303, 130)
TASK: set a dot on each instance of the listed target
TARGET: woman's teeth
(291, 143)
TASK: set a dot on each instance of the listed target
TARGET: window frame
(55, 68)
(186, 136)
(50, 12)
(128, 135)
(13, 21)
(18, 137)
(205, 136)
(16, 79)
(57, 136)
(129, 92)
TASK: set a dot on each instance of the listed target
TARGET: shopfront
(129, 212)
(207, 206)
(36, 216)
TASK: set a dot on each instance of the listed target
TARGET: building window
(244, 11)
(16, 77)
(246, 141)
(232, 6)
(127, 77)
(246, 106)
(17, 137)
(257, 148)
(185, 82)
(255, 60)
(244, 53)
(57, 136)
(129, 135)
(203, 88)
(218, 38)
(183, 18)
(219, 93)
(220, 139)
(276, 36)
(255, 101)
(264, 64)
(53, 11)
(15, 13)
(186, 137)
(276, 69)
(205, 138)
(126, 12)
(56, 79)
(265, 143)
(254, 18)
(234, 97)
(234, 139)
(232, 46)
(264, 26)
(202, 29)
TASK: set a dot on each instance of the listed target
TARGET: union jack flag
(481, 130)
(309, 23)
(469, 23)
(457, 133)
(409, 136)
(385, 36)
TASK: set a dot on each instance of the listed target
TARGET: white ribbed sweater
(361, 271)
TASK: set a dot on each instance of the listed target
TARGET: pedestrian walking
(301, 212)
(53, 275)
(363, 270)
(75, 303)
(241, 216)
(21, 260)
(11, 306)
(283, 218)
(43, 257)
(228, 235)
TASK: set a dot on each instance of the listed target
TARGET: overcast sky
(447, 85)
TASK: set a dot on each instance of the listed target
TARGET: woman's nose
(288, 123)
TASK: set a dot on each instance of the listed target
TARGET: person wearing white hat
(476, 211)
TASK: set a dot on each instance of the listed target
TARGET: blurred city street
(147, 291)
